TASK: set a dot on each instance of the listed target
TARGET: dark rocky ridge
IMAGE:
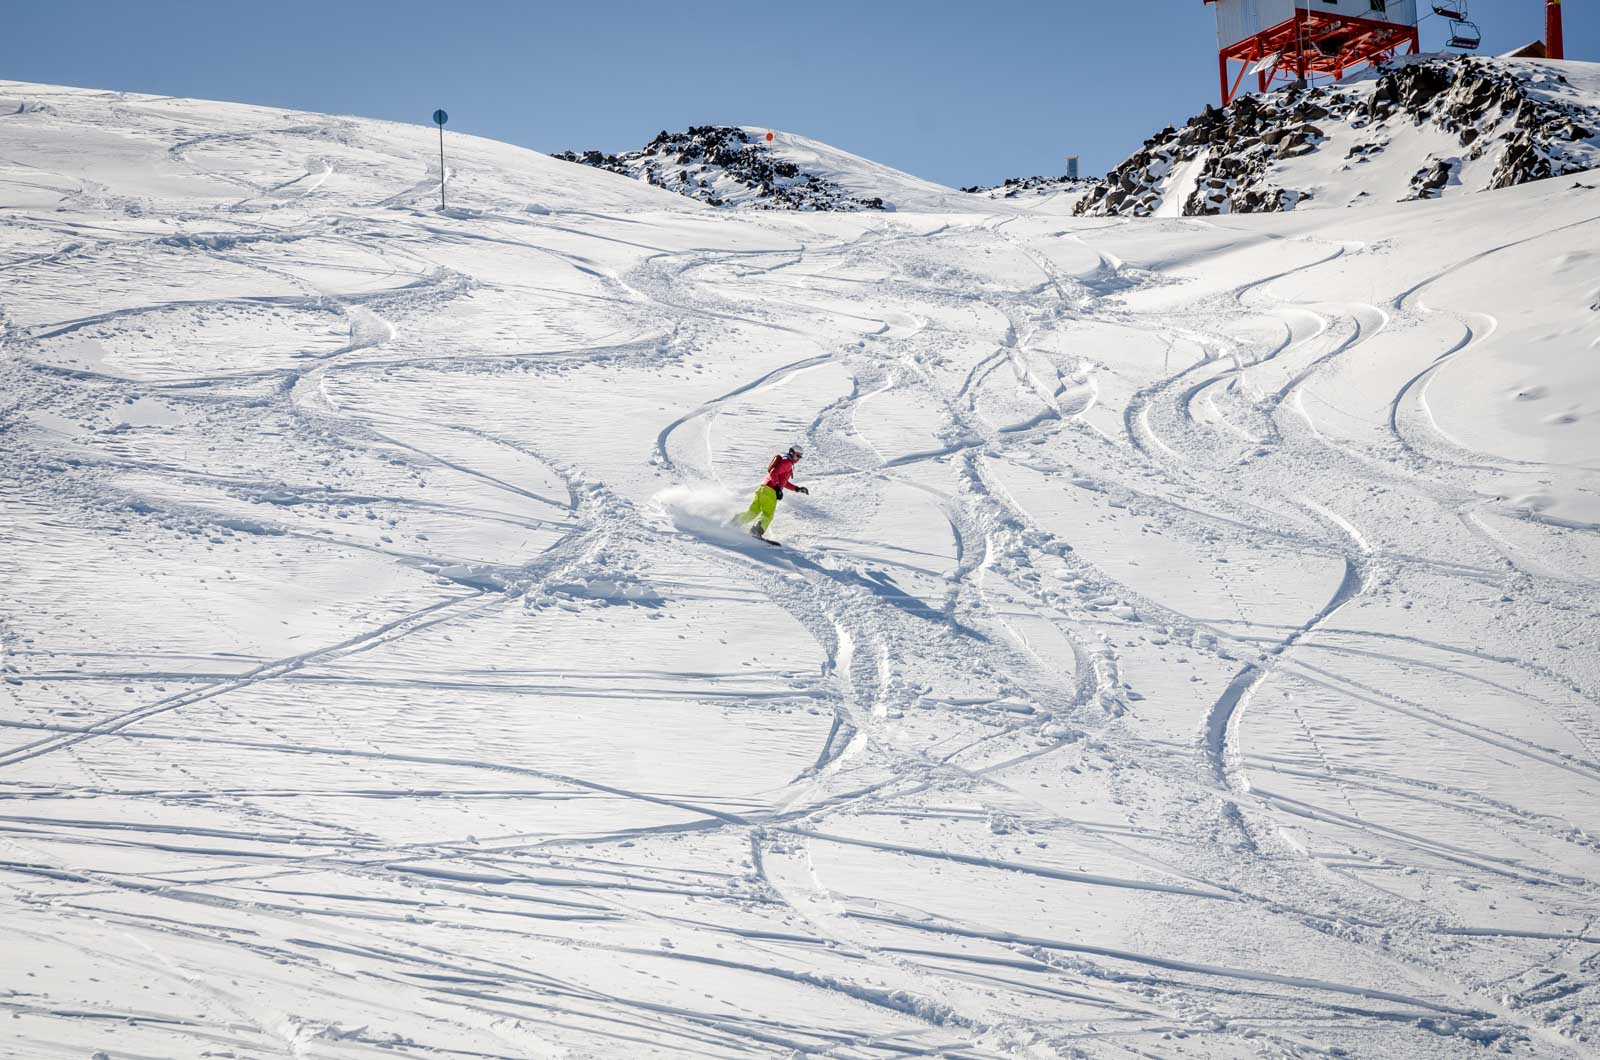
(1497, 111)
(722, 165)
(1016, 186)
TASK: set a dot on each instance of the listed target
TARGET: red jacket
(779, 472)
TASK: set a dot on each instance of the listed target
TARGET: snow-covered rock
(724, 165)
(1419, 128)
(1025, 187)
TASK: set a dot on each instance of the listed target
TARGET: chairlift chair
(1453, 12)
(1464, 35)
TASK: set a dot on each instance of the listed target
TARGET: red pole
(1553, 46)
(1222, 69)
(1299, 45)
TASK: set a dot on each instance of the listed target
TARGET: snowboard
(731, 524)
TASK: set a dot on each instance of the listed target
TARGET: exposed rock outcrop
(1015, 187)
(723, 165)
(1470, 122)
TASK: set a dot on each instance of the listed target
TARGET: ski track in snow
(1162, 664)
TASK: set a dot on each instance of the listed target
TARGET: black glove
(801, 489)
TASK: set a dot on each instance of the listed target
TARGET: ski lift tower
(1299, 39)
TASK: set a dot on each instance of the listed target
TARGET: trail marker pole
(439, 118)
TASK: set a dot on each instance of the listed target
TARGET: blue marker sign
(440, 117)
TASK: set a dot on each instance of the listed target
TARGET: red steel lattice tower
(1300, 39)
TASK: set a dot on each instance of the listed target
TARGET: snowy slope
(1186, 648)
(738, 166)
(1423, 127)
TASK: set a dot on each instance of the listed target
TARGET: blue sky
(958, 92)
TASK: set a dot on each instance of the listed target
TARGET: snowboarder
(765, 506)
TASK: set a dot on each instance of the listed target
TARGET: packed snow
(1186, 647)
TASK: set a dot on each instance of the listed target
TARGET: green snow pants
(762, 509)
